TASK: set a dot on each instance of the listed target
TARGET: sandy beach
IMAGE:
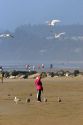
(68, 111)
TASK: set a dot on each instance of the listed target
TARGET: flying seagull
(53, 22)
(6, 35)
(59, 35)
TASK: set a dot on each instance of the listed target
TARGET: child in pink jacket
(39, 87)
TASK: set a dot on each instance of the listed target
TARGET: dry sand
(52, 112)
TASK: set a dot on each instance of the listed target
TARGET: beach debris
(27, 100)
(16, 100)
(59, 99)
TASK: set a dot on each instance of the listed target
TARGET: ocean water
(38, 66)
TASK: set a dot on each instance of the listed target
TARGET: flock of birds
(17, 100)
(50, 23)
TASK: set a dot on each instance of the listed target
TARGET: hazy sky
(16, 12)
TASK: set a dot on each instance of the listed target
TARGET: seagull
(16, 100)
(59, 99)
(53, 22)
(58, 35)
(45, 99)
(27, 100)
(6, 35)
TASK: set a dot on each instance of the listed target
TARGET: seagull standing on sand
(59, 99)
(59, 35)
(6, 35)
(53, 22)
(16, 100)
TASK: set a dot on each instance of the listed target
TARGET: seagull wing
(62, 33)
(55, 21)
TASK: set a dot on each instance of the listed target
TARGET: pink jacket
(38, 83)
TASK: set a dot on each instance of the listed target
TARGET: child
(39, 87)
